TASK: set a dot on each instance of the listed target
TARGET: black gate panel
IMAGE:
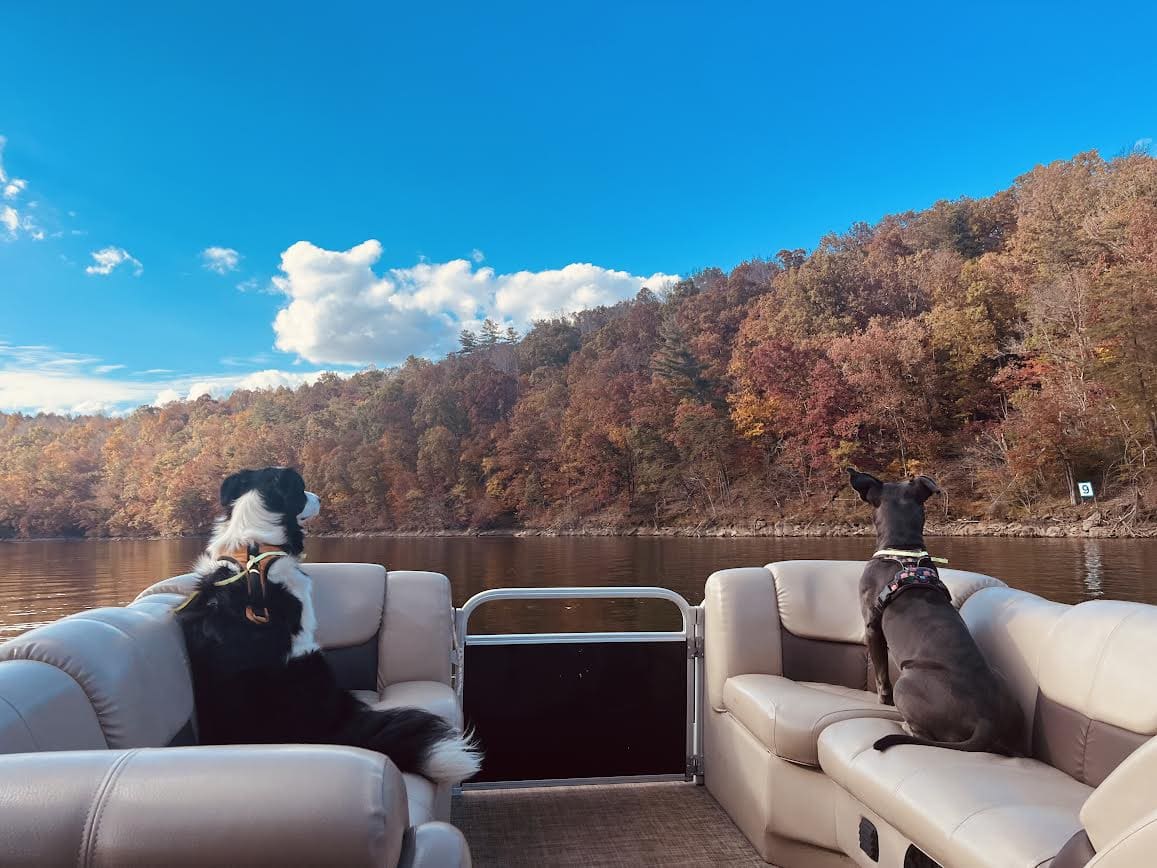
(548, 710)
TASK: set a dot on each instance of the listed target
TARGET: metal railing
(691, 633)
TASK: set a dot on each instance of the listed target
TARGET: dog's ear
(289, 483)
(866, 485)
(235, 485)
(923, 487)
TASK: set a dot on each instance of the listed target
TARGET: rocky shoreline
(1095, 526)
(1092, 527)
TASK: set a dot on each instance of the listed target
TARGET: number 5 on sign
(1085, 488)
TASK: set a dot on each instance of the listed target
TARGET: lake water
(43, 580)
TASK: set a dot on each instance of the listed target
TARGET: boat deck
(668, 824)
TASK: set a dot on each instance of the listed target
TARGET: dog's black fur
(946, 691)
(269, 683)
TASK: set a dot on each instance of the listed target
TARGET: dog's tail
(983, 739)
(417, 741)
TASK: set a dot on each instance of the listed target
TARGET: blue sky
(369, 178)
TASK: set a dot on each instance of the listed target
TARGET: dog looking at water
(946, 691)
(258, 673)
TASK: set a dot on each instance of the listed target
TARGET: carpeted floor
(618, 826)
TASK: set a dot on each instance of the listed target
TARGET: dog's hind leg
(878, 654)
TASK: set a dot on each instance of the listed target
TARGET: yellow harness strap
(901, 553)
(260, 563)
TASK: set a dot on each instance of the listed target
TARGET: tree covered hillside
(1007, 345)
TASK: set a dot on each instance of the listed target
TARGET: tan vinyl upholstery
(785, 660)
(788, 716)
(195, 806)
(119, 678)
(1124, 799)
(962, 809)
(43, 708)
(131, 665)
(435, 845)
(417, 629)
(1086, 783)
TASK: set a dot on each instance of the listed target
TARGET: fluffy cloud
(35, 379)
(221, 387)
(340, 311)
(222, 260)
(14, 223)
(14, 188)
(108, 259)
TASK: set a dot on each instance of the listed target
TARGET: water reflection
(43, 580)
(1094, 585)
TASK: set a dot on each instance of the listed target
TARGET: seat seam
(79, 686)
(21, 718)
(1117, 842)
(1104, 651)
(92, 821)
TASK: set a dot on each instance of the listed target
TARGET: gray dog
(946, 691)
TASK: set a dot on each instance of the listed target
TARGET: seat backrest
(43, 708)
(821, 622)
(1083, 675)
(1097, 701)
(799, 619)
(130, 667)
(375, 628)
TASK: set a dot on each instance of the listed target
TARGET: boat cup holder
(869, 839)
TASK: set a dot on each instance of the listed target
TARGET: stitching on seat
(1119, 841)
(91, 830)
(1104, 651)
(27, 725)
(1083, 778)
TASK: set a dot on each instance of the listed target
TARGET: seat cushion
(788, 716)
(420, 798)
(962, 809)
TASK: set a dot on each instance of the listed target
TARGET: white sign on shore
(1085, 488)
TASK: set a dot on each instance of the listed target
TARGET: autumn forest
(1006, 346)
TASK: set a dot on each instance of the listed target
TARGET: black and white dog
(258, 673)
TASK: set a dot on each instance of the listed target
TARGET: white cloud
(40, 379)
(223, 386)
(340, 311)
(222, 260)
(14, 223)
(477, 255)
(108, 259)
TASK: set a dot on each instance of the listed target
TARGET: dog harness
(252, 565)
(916, 570)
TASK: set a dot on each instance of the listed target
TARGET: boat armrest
(1123, 798)
(435, 845)
(282, 805)
(417, 636)
(1132, 848)
(742, 635)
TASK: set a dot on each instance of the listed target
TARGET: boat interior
(743, 735)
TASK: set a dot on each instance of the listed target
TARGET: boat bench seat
(788, 716)
(790, 725)
(98, 749)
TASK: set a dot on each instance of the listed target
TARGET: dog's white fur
(250, 522)
(455, 759)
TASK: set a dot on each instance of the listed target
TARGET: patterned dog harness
(253, 565)
(917, 570)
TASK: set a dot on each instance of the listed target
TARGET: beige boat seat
(1082, 675)
(98, 752)
(785, 660)
(388, 637)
